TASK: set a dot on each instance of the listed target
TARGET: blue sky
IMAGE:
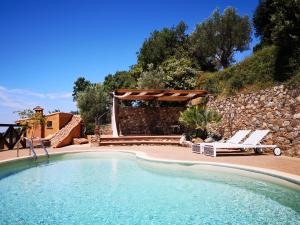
(46, 45)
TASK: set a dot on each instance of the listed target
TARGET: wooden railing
(11, 136)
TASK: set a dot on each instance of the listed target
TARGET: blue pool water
(116, 188)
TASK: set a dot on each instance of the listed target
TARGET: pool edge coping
(144, 156)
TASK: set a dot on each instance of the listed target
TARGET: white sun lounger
(235, 139)
(253, 141)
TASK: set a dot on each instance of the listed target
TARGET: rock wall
(106, 129)
(276, 109)
(149, 120)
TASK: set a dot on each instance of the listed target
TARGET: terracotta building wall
(49, 130)
(38, 131)
(148, 121)
(64, 118)
(58, 120)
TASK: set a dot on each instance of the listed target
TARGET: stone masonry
(149, 120)
(276, 109)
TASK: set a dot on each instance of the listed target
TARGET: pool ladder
(29, 142)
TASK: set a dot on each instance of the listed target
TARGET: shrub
(198, 118)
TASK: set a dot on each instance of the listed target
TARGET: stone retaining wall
(276, 109)
(106, 129)
(148, 120)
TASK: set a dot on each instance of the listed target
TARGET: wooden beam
(174, 98)
(136, 97)
(197, 91)
(158, 94)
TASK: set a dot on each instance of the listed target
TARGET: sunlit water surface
(116, 188)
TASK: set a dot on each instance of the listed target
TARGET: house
(52, 123)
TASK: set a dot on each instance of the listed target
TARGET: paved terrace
(266, 161)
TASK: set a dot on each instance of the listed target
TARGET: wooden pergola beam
(158, 94)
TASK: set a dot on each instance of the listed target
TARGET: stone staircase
(140, 140)
(65, 135)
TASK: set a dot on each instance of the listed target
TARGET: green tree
(261, 21)
(92, 102)
(151, 79)
(198, 118)
(277, 22)
(80, 85)
(135, 71)
(121, 79)
(173, 73)
(25, 114)
(162, 44)
(219, 37)
(178, 73)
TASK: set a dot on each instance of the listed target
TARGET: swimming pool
(117, 188)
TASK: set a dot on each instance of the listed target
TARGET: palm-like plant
(198, 118)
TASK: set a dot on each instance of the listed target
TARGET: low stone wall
(106, 129)
(276, 109)
(149, 120)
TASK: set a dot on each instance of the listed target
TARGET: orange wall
(58, 121)
(38, 131)
(54, 118)
(64, 118)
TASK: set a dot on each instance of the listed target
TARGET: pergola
(151, 95)
(158, 94)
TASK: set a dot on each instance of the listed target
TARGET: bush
(294, 81)
(198, 118)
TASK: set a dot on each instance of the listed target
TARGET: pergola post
(114, 116)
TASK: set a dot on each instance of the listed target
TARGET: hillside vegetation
(253, 73)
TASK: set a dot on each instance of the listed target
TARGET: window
(49, 124)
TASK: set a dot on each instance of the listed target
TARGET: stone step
(141, 138)
(102, 143)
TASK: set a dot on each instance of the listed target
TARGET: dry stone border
(276, 109)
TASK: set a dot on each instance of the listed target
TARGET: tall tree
(151, 79)
(92, 103)
(220, 36)
(162, 44)
(179, 73)
(121, 79)
(277, 22)
(173, 73)
(80, 85)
